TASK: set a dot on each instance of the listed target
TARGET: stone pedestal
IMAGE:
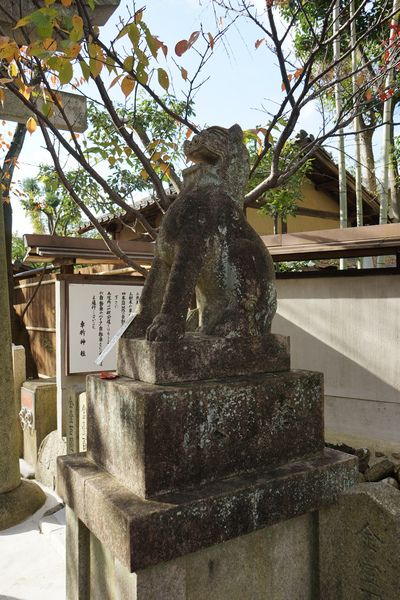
(184, 484)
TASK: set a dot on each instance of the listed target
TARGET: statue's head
(224, 150)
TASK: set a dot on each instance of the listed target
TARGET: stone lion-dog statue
(206, 246)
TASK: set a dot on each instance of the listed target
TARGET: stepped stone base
(157, 439)
(141, 533)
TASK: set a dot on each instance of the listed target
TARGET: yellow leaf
(111, 160)
(184, 73)
(270, 139)
(95, 67)
(77, 22)
(31, 125)
(66, 2)
(2, 97)
(127, 85)
(50, 44)
(74, 50)
(144, 175)
(13, 69)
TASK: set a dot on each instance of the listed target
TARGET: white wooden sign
(95, 313)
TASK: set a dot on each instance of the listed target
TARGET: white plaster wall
(348, 328)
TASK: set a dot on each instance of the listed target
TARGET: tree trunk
(368, 162)
(394, 192)
(20, 336)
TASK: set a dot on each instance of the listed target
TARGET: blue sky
(241, 80)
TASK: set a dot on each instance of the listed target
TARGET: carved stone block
(157, 439)
(197, 357)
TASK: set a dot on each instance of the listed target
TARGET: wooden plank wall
(40, 320)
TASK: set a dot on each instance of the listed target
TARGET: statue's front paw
(164, 329)
(137, 329)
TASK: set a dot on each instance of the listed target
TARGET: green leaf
(141, 74)
(47, 110)
(163, 79)
(134, 34)
(65, 73)
(142, 57)
(41, 18)
(54, 63)
(46, 32)
(85, 70)
(128, 64)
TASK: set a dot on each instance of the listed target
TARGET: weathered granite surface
(359, 541)
(274, 563)
(197, 357)
(157, 439)
(205, 245)
(141, 533)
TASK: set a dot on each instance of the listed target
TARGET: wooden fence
(39, 319)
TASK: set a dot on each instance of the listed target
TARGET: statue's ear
(236, 133)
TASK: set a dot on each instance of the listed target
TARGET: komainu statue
(206, 246)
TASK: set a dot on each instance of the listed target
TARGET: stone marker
(208, 438)
(359, 541)
(73, 104)
(11, 11)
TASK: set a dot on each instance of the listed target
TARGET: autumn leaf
(127, 85)
(193, 38)
(13, 70)
(31, 125)
(210, 37)
(74, 50)
(189, 133)
(184, 73)
(50, 44)
(108, 375)
(139, 15)
(181, 47)
(298, 73)
(1, 97)
(66, 2)
(77, 22)
(258, 43)
(144, 175)
(114, 81)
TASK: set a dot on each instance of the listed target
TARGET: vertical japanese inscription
(369, 569)
(96, 312)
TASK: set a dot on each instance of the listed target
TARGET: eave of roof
(49, 248)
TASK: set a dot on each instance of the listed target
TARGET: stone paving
(32, 555)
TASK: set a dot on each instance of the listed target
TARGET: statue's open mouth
(198, 151)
